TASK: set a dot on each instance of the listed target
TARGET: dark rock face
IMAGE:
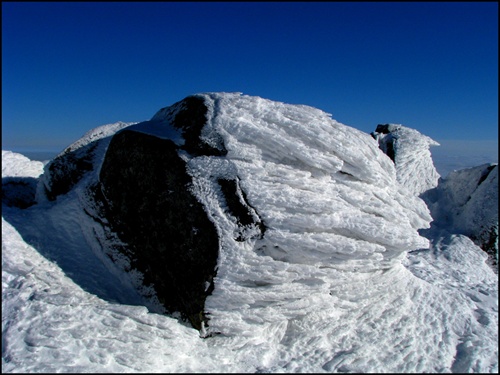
(67, 170)
(245, 214)
(388, 145)
(19, 191)
(148, 204)
(189, 115)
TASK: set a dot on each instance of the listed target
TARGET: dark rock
(149, 205)
(189, 115)
(67, 169)
(384, 128)
(387, 146)
(240, 208)
(19, 191)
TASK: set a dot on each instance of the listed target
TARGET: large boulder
(281, 234)
(218, 182)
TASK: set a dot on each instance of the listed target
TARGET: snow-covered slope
(320, 280)
(409, 149)
(466, 202)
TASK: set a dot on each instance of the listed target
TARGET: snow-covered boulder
(220, 191)
(299, 248)
(68, 168)
(409, 150)
(466, 202)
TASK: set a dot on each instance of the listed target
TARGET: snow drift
(319, 263)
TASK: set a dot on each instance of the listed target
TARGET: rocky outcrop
(409, 150)
(67, 169)
(138, 189)
(211, 197)
(145, 192)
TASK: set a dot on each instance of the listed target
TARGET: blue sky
(69, 67)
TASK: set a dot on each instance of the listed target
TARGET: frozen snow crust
(326, 194)
(409, 149)
(339, 280)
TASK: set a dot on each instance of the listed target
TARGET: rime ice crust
(336, 295)
(305, 173)
(326, 194)
(409, 150)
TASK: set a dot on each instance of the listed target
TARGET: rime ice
(341, 280)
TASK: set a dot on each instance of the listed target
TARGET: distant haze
(458, 154)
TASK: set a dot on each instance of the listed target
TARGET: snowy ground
(365, 306)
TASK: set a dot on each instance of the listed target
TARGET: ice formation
(335, 278)
(409, 150)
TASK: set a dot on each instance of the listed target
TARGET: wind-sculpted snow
(320, 267)
(49, 324)
(410, 152)
(327, 196)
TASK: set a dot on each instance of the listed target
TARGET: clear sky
(69, 67)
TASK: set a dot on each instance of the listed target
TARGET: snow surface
(341, 282)
(17, 165)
